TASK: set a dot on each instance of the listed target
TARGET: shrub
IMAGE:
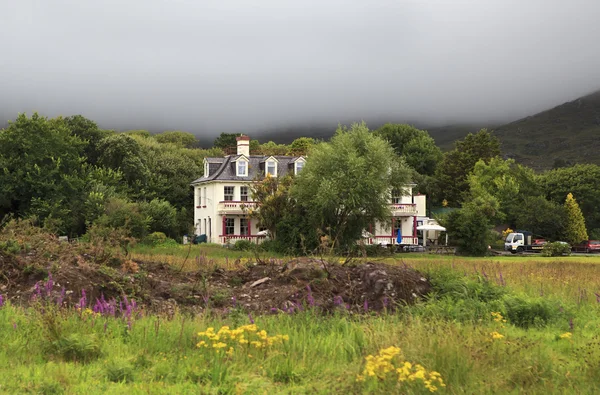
(243, 245)
(155, 238)
(556, 248)
(525, 313)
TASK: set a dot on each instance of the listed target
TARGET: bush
(243, 245)
(525, 313)
(119, 370)
(556, 248)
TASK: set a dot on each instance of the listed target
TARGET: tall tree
(457, 164)
(575, 231)
(346, 184)
(226, 141)
(415, 145)
(122, 152)
(40, 169)
(300, 146)
(584, 182)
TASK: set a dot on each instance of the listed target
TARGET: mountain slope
(569, 133)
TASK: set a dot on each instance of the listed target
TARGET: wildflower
(498, 317)
(230, 351)
(566, 335)
(496, 335)
(219, 345)
(1, 300)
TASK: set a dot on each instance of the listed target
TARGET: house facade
(225, 189)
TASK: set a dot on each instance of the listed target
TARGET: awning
(431, 227)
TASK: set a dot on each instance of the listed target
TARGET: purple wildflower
(49, 284)
(597, 297)
(234, 301)
(82, 301)
(59, 300)
(250, 318)
(274, 310)
(337, 300)
(14, 325)
(502, 279)
(386, 302)
(1, 300)
(38, 291)
(366, 305)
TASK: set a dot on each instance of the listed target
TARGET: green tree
(88, 131)
(125, 215)
(469, 230)
(161, 215)
(415, 145)
(122, 152)
(542, 217)
(584, 182)
(346, 184)
(41, 170)
(226, 141)
(300, 146)
(183, 139)
(271, 148)
(272, 195)
(457, 164)
(575, 231)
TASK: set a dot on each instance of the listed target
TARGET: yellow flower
(566, 335)
(230, 351)
(219, 345)
(496, 335)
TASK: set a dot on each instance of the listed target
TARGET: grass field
(499, 325)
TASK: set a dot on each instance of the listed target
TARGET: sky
(212, 66)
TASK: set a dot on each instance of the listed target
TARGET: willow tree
(346, 183)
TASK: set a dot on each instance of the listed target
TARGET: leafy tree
(504, 181)
(254, 147)
(272, 148)
(415, 145)
(161, 215)
(457, 164)
(273, 197)
(300, 146)
(468, 229)
(40, 169)
(584, 182)
(226, 141)
(542, 217)
(139, 133)
(124, 215)
(123, 152)
(575, 231)
(88, 131)
(347, 182)
(183, 139)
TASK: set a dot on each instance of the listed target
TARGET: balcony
(389, 240)
(232, 239)
(399, 210)
(234, 207)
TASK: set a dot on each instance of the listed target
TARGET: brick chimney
(243, 145)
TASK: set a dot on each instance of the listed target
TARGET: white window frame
(245, 173)
(229, 226)
(268, 164)
(246, 195)
(396, 196)
(298, 162)
(244, 224)
(206, 169)
(226, 194)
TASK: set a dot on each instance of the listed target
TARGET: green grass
(51, 351)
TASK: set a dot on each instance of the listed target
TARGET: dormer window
(271, 168)
(298, 166)
(242, 168)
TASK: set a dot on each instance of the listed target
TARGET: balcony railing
(234, 207)
(232, 239)
(385, 240)
(406, 209)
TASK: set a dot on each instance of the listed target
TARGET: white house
(225, 187)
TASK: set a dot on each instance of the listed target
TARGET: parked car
(587, 246)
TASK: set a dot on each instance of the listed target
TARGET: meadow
(491, 325)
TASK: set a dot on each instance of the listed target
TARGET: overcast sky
(211, 66)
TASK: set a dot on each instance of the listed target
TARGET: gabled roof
(223, 169)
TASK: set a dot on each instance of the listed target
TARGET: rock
(261, 281)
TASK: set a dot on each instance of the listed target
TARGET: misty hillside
(569, 132)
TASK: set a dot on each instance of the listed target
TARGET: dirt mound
(38, 265)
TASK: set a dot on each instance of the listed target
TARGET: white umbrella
(262, 233)
(431, 227)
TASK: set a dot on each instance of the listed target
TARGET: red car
(587, 246)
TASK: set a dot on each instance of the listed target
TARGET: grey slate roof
(223, 169)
